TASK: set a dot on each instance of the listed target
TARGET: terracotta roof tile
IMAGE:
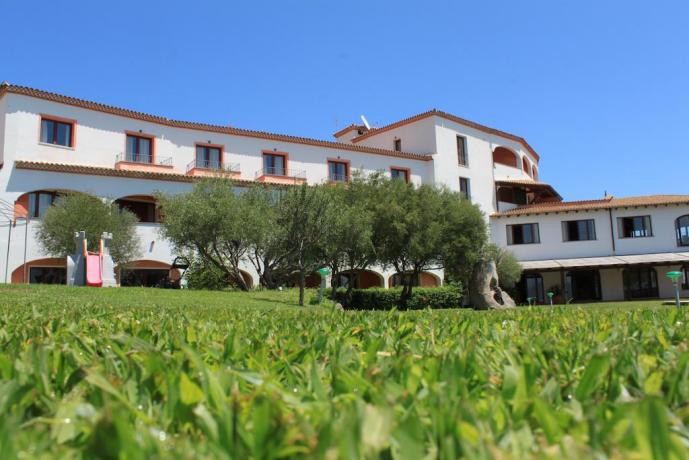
(590, 205)
(111, 172)
(448, 116)
(54, 97)
(346, 129)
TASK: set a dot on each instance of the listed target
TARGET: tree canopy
(73, 212)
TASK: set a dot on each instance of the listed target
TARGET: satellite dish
(363, 118)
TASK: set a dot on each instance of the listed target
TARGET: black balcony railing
(281, 172)
(143, 159)
(213, 165)
(338, 178)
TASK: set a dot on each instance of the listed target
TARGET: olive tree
(76, 211)
(209, 221)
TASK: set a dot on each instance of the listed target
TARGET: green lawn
(144, 373)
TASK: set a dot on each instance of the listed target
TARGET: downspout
(612, 232)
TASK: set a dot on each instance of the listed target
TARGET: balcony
(339, 178)
(210, 168)
(138, 162)
(278, 175)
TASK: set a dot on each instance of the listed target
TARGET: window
(523, 234)
(640, 283)
(682, 226)
(274, 164)
(338, 171)
(39, 202)
(400, 173)
(461, 151)
(464, 188)
(209, 157)
(634, 227)
(143, 210)
(685, 277)
(57, 132)
(139, 149)
(398, 145)
(578, 230)
(47, 275)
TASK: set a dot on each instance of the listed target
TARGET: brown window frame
(406, 171)
(462, 157)
(397, 145)
(138, 136)
(510, 234)
(465, 193)
(57, 121)
(338, 161)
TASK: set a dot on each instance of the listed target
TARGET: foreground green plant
(136, 373)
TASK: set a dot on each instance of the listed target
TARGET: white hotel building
(607, 249)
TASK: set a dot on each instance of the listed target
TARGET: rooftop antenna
(363, 118)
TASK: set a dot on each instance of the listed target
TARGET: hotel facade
(605, 249)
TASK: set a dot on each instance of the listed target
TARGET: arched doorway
(144, 207)
(505, 156)
(423, 279)
(526, 166)
(534, 172)
(361, 279)
(146, 273)
(50, 270)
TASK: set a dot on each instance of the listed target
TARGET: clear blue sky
(599, 88)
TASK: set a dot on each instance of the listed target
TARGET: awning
(530, 186)
(663, 258)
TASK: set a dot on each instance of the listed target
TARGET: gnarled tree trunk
(485, 292)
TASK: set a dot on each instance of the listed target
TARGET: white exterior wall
(552, 245)
(418, 137)
(2, 130)
(100, 137)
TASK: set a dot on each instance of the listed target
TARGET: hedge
(386, 299)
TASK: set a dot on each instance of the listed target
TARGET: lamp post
(674, 277)
(323, 272)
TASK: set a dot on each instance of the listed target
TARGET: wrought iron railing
(338, 177)
(213, 165)
(281, 172)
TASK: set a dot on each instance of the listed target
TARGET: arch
(49, 270)
(534, 172)
(682, 229)
(146, 272)
(144, 207)
(35, 203)
(424, 279)
(526, 165)
(365, 279)
(505, 156)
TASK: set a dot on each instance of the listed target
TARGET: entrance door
(531, 286)
(640, 283)
(583, 285)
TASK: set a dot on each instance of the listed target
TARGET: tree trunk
(302, 285)
(406, 290)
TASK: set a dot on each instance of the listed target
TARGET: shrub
(386, 299)
(203, 275)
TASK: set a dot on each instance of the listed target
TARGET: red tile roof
(590, 205)
(448, 116)
(346, 129)
(111, 172)
(53, 97)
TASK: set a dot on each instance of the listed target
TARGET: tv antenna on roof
(363, 118)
